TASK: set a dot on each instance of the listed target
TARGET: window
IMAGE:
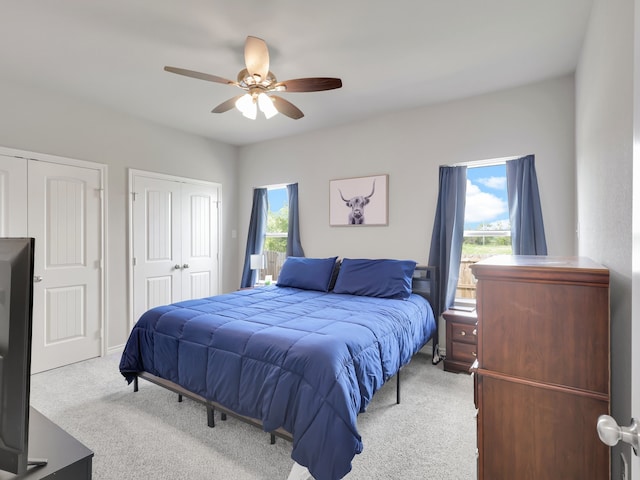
(487, 230)
(275, 242)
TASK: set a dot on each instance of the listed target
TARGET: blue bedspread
(303, 360)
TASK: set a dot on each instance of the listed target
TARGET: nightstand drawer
(461, 332)
(463, 352)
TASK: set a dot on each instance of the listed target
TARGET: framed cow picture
(359, 201)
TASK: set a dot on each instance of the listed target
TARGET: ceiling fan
(260, 83)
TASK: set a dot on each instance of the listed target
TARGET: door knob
(37, 278)
(611, 433)
(176, 266)
(186, 265)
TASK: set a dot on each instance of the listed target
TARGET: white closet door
(13, 197)
(174, 230)
(64, 212)
(199, 241)
(156, 242)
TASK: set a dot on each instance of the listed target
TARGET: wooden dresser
(542, 375)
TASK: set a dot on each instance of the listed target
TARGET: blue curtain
(525, 211)
(294, 246)
(255, 237)
(448, 232)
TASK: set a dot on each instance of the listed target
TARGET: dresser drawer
(465, 333)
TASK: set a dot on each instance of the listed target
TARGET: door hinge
(134, 196)
(134, 261)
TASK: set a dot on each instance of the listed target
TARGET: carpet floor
(149, 435)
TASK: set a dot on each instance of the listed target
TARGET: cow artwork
(359, 201)
(357, 204)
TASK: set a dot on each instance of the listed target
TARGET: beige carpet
(149, 435)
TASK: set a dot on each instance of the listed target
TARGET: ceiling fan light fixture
(266, 105)
(258, 82)
(247, 106)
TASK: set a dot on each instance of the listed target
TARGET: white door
(199, 241)
(174, 232)
(64, 216)
(157, 254)
(13, 197)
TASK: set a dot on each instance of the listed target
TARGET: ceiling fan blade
(287, 108)
(256, 57)
(199, 75)
(226, 105)
(310, 84)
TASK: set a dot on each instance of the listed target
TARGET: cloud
(482, 206)
(497, 183)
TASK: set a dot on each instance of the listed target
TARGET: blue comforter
(303, 360)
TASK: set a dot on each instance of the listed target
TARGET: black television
(16, 307)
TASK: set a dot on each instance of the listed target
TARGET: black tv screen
(16, 307)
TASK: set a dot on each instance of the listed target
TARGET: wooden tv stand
(67, 458)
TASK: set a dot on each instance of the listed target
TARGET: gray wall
(604, 171)
(39, 121)
(409, 146)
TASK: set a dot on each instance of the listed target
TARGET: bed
(301, 358)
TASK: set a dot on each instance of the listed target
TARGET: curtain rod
(484, 163)
(273, 187)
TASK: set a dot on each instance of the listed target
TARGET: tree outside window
(275, 243)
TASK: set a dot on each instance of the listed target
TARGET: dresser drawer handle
(475, 331)
(474, 354)
(463, 333)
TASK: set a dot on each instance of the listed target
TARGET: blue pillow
(375, 278)
(307, 273)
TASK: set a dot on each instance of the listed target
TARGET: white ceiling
(390, 55)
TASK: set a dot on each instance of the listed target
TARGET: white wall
(409, 146)
(604, 170)
(40, 121)
(635, 246)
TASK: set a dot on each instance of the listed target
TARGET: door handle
(37, 278)
(176, 266)
(611, 433)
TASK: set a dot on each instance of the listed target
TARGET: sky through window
(486, 197)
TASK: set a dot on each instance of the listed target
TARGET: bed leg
(223, 416)
(135, 383)
(210, 418)
(398, 388)
(273, 439)
(179, 397)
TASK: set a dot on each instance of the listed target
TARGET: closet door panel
(174, 240)
(199, 241)
(64, 211)
(156, 244)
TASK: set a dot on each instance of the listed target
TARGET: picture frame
(359, 201)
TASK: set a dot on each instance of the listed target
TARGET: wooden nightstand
(462, 340)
